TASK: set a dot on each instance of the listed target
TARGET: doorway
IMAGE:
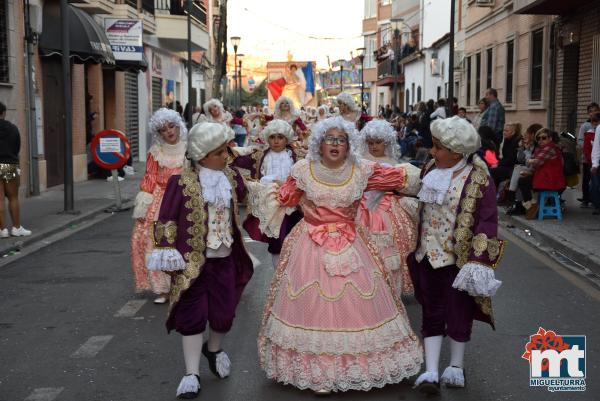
(54, 121)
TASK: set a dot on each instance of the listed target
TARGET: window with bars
(490, 68)
(536, 66)
(510, 70)
(4, 76)
(469, 79)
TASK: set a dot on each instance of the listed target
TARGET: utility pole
(69, 198)
(220, 51)
(450, 100)
(190, 112)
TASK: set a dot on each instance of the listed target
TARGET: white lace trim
(431, 377)
(437, 182)
(453, 376)
(332, 196)
(169, 156)
(262, 203)
(477, 279)
(143, 200)
(216, 188)
(277, 166)
(223, 364)
(322, 341)
(189, 384)
(342, 263)
(165, 259)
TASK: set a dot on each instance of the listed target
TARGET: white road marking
(130, 308)
(255, 260)
(44, 394)
(92, 346)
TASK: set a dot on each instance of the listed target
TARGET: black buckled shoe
(218, 362)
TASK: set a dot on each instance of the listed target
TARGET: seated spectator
(524, 153)
(545, 171)
(440, 112)
(507, 153)
(488, 147)
(462, 113)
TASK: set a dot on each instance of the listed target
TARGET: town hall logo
(556, 362)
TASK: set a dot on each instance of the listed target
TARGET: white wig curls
(278, 127)
(162, 117)
(382, 130)
(289, 101)
(204, 138)
(322, 127)
(210, 103)
(348, 100)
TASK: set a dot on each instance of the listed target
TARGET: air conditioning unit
(484, 3)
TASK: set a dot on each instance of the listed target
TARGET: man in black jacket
(10, 144)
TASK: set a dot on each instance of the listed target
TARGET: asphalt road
(71, 328)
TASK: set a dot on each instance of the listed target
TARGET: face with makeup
(169, 133)
(334, 148)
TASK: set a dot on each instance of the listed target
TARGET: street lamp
(396, 24)
(235, 42)
(361, 55)
(240, 79)
(341, 63)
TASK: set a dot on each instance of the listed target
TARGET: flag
(307, 70)
(276, 88)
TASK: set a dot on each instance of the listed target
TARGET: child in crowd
(165, 158)
(588, 143)
(457, 251)
(199, 243)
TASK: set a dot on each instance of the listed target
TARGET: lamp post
(396, 23)
(341, 63)
(450, 100)
(235, 42)
(239, 78)
(189, 65)
(361, 55)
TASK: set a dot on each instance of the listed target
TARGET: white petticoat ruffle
(143, 200)
(477, 279)
(165, 259)
(263, 204)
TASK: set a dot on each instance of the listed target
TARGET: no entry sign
(110, 149)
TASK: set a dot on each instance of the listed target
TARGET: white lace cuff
(143, 200)
(263, 204)
(413, 179)
(165, 259)
(477, 279)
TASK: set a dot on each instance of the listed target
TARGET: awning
(132, 65)
(87, 40)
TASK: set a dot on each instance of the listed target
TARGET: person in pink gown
(389, 217)
(165, 158)
(332, 321)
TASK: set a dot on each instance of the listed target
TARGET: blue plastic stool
(552, 210)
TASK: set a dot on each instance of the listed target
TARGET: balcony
(548, 7)
(385, 72)
(95, 6)
(171, 24)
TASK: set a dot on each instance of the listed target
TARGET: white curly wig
(319, 130)
(213, 102)
(348, 100)
(382, 130)
(162, 117)
(278, 127)
(325, 111)
(277, 111)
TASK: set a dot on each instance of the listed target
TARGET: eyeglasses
(334, 140)
(541, 138)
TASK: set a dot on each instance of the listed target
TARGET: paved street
(72, 330)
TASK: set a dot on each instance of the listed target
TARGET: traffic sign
(110, 149)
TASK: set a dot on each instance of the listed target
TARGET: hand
(278, 182)
(525, 173)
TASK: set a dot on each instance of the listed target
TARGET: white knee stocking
(192, 350)
(433, 347)
(457, 353)
(214, 340)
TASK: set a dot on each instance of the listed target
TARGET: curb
(534, 236)
(77, 219)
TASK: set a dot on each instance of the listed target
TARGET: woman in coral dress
(388, 217)
(332, 321)
(165, 158)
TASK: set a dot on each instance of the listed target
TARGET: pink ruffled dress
(163, 161)
(332, 320)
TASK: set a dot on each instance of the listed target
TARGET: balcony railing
(179, 7)
(147, 5)
(385, 69)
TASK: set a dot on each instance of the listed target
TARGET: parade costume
(332, 321)
(163, 161)
(267, 166)
(199, 242)
(292, 117)
(390, 219)
(223, 118)
(453, 267)
(355, 114)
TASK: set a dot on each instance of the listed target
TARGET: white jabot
(216, 188)
(437, 182)
(277, 166)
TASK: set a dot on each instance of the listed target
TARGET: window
(510, 67)
(4, 77)
(412, 87)
(419, 97)
(537, 58)
(386, 33)
(469, 77)
(386, 2)
(490, 68)
(439, 92)
(370, 8)
(369, 49)
(477, 75)
(407, 100)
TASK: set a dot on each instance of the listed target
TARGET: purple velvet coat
(183, 224)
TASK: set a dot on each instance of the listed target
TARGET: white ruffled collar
(216, 188)
(170, 156)
(437, 183)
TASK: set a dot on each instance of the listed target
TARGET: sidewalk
(577, 236)
(43, 214)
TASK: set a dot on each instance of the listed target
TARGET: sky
(269, 28)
